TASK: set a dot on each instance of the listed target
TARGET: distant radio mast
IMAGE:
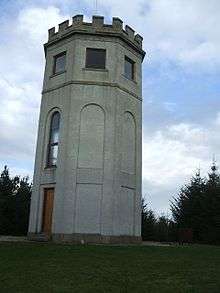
(96, 7)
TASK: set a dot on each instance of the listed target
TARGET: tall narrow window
(129, 68)
(59, 63)
(53, 140)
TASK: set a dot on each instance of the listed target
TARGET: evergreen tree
(148, 222)
(165, 229)
(22, 208)
(197, 207)
(7, 191)
(211, 230)
(187, 208)
(15, 194)
(162, 229)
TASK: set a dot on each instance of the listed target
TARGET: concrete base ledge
(39, 237)
(86, 238)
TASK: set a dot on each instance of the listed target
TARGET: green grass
(68, 268)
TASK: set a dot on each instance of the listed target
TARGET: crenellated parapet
(96, 27)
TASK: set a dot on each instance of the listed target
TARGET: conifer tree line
(196, 208)
(161, 229)
(15, 195)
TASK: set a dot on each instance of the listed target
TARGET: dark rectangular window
(129, 68)
(59, 63)
(95, 58)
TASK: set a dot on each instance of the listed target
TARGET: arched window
(53, 140)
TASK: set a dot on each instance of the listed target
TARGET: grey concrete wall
(98, 175)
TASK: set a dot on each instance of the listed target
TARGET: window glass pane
(55, 120)
(54, 136)
(60, 63)
(95, 58)
(129, 68)
(53, 155)
(54, 139)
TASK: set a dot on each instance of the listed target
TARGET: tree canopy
(15, 195)
(197, 207)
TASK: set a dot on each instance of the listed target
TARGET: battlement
(97, 26)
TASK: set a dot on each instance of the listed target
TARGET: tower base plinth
(78, 238)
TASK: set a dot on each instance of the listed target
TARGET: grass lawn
(27, 267)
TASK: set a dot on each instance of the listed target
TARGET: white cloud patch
(34, 23)
(21, 73)
(186, 32)
(172, 155)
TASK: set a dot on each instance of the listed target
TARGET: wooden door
(48, 211)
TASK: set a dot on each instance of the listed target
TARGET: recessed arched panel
(92, 124)
(128, 144)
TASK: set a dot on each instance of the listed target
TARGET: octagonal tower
(87, 178)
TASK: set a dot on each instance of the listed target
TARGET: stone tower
(87, 178)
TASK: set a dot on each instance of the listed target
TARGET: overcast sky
(181, 99)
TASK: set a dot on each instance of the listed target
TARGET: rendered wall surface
(97, 180)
